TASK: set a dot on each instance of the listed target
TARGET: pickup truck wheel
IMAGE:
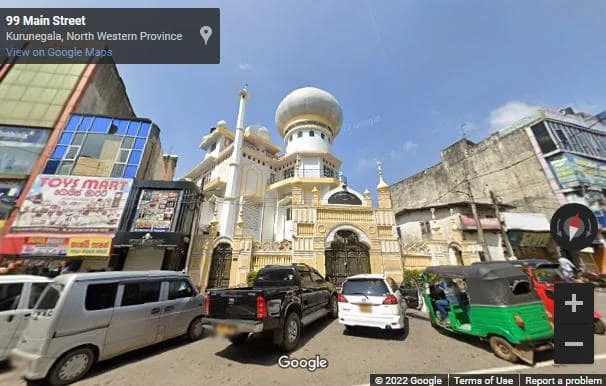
(291, 332)
(238, 339)
(333, 308)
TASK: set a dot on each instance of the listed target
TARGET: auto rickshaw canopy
(491, 283)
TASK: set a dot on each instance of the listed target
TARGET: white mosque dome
(259, 130)
(309, 100)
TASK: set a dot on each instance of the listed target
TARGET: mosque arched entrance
(220, 266)
(346, 256)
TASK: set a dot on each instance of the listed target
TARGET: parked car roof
(122, 275)
(367, 276)
(22, 278)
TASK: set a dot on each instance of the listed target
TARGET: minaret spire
(382, 183)
(232, 187)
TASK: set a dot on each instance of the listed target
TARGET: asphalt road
(351, 358)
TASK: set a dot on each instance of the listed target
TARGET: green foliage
(417, 276)
(251, 277)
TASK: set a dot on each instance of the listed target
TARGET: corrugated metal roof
(536, 222)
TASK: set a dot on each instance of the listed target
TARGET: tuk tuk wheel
(502, 348)
(598, 327)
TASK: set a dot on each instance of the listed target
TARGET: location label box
(125, 35)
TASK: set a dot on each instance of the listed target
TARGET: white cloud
(366, 163)
(508, 113)
(408, 147)
(245, 67)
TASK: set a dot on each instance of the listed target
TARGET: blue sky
(408, 74)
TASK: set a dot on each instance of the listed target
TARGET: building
(36, 101)
(266, 207)
(541, 162)
(155, 232)
(102, 146)
(529, 235)
(447, 235)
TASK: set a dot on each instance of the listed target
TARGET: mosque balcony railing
(303, 173)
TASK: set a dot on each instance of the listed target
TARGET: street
(351, 358)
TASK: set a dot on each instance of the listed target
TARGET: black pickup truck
(282, 300)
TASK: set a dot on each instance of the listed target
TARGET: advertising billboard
(572, 171)
(156, 210)
(58, 203)
(20, 148)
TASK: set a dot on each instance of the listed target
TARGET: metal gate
(220, 267)
(346, 256)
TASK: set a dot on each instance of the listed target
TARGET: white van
(18, 294)
(82, 318)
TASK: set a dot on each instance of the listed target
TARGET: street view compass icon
(574, 227)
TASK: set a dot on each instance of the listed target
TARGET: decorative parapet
(262, 246)
(340, 215)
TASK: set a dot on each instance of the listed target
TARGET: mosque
(262, 206)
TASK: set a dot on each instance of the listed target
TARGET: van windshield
(50, 296)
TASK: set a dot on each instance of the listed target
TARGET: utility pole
(472, 203)
(497, 211)
(474, 211)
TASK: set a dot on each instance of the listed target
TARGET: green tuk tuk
(495, 301)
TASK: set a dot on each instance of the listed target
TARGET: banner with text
(84, 246)
(73, 204)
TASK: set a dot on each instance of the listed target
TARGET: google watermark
(310, 364)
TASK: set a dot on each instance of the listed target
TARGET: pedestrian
(568, 268)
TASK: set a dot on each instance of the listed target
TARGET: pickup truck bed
(283, 299)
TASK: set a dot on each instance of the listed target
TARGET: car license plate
(365, 308)
(224, 329)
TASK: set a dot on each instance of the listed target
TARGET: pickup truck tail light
(261, 307)
(341, 298)
(390, 299)
(207, 304)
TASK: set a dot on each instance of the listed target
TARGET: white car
(18, 294)
(371, 300)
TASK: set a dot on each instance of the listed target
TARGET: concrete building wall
(106, 94)
(507, 165)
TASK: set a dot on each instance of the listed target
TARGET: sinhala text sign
(73, 204)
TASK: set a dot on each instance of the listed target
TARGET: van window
(50, 296)
(178, 289)
(9, 296)
(35, 293)
(100, 296)
(141, 293)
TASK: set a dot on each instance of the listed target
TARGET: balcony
(303, 173)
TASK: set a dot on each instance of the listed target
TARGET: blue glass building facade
(106, 147)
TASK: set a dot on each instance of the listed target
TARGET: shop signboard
(156, 210)
(529, 239)
(89, 246)
(44, 246)
(20, 148)
(572, 171)
(73, 204)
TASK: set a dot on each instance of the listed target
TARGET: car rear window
(285, 276)
(370, 287)
(50, 296)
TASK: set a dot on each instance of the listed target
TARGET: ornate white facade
(263, 206)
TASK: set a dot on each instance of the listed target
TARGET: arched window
(311, 133)
(299, 134)
(344, 198)
(322, 135)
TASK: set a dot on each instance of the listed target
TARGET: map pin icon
(206, 32)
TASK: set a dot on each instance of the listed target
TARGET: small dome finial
(382, 183)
